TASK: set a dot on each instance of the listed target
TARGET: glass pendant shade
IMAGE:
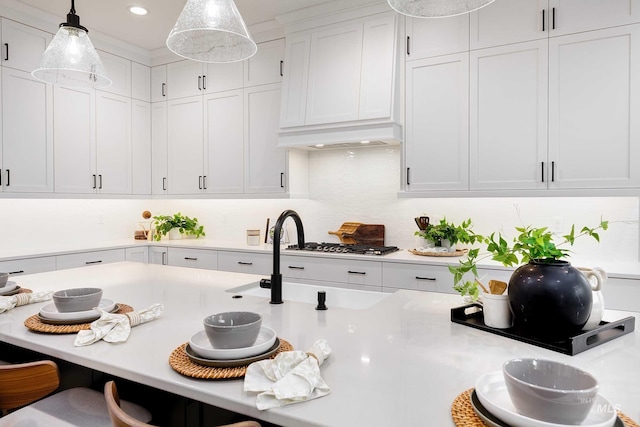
(436, 8)
(211, 31)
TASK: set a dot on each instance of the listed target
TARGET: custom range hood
(351, 136)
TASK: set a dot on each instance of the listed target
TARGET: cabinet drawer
(89, 258)
(193, 258)
(332, 270)
(417, 277)
(28, 266)
(245, 263)
(621, 294)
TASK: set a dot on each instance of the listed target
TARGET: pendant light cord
(73, 7)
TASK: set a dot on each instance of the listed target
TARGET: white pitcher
(596, 276)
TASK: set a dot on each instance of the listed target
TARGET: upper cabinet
(159, 83)
(434, 37)
(140, 82)
(119, 71)
(340, 73)
(189, 78)
(267, 65)
(22, 46)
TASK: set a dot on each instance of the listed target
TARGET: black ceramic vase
(549, 299)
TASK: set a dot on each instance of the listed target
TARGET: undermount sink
(336, 297)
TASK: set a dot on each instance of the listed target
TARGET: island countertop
(399, 362)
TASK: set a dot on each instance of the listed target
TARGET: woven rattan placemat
(181, 363)
(464, 415)
(36, 325)
(442, 254)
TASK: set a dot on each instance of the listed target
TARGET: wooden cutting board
(368, 234)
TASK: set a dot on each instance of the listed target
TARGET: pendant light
(70, 58)
(436, 8)
(211, 31)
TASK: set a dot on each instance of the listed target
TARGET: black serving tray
(573, 345)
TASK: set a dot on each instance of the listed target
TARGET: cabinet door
(86, 259)
(193, 258)
(508, 116)
(223, 76)
(185, 146)
(332, 270)
(137, 254)
(141, 147)
(159, 142)
(158, 255)
(417, 277)
(74, 133)
(510, 21)
(594, 95)
(184, 78)
(264, 161)
(22, 46)
(140, 82)
(113, 141)
(119, 71)
(249, 263)
(572, 16)
(18, 267)
(27, 133)
(224, 142)
(296, 76)
(266, 66)
(434, 37)
(334, 74)
(437, 134)
(159, 83)
(378, 68)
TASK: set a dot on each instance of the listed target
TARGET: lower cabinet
(242, 262)
(18, 267)
(140, 254)
(158, 255)
(85, 259)
(354, 274)
(193, 258)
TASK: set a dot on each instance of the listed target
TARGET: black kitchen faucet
(276, 277)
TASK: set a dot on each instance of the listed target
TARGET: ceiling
(150, 32)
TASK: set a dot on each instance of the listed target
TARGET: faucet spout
(276, 277)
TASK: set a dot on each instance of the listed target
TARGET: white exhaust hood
(353, 135)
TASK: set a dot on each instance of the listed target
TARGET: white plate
(492, 393)
(202, 347)
(51, 312)
(9, 287)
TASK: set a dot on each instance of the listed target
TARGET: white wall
(345, 185)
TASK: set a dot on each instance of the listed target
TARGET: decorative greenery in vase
(449, 231)
(184, 224)
(531, 244)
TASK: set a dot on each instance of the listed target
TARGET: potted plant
(547, 296)
(178, 223)
(447, 234)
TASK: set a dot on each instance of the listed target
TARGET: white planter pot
(174, 234)
(496, 311)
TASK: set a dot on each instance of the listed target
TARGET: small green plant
(444, 230)
(530, 244)
(185, 224)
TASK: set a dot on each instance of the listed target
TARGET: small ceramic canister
(496, 311)
(253, 237)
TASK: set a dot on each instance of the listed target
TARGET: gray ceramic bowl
(77, 299)
(4, 277)
(233, 329)
(550, 391)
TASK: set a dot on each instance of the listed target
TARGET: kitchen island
(400, 362)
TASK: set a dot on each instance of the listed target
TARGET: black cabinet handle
(164, 258)
(164, 183)
(408, 46)
(204, 182)
(543, 19)
(199, 82)
(100, 180)
(164, 85)
(0, 177)
(282, 180)
(204, 82)
(408, 181)
(93, 262)
(200, 182)
(190, 258)
(293, 267)
(431, 279)
(281, 68)
(553, 18)
(8, 177)
(245, 263)
(357, 272)
(95, 185)
(6, 55)
(542, 171)
(16, 272)
(553, 171)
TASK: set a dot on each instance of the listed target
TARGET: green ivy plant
(186, 225)
(530, 244)
(462, 233)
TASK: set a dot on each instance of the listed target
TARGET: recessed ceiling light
(137, 10)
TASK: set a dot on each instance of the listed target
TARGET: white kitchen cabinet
(26, 158)
(113, 142)
(266, 66)
(294, 86)
(159, 83)
(185, 146)
(140, 82)
(224, 142)
(435, 37)
(242, 262)
(159, 151)
(339, 271)
(22, 45)
(141, 147)
(189, 78)
(416, 277)
(193, 258)
(573, 16)
(85, 259)
(140, 254)
(508, 116)
(621, 294)
(158, 255)
(219, 77)
(18, 267)
(594, 103)
(119, 71)
(265, 163)
(437, 141)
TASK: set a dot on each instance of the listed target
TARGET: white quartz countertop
(401, 362)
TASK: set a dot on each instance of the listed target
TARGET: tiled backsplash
(345, 185)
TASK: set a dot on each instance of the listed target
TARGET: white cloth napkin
(290, 377)
(7, 303)
(116, 327)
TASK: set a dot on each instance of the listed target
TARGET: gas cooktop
(340, 248)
